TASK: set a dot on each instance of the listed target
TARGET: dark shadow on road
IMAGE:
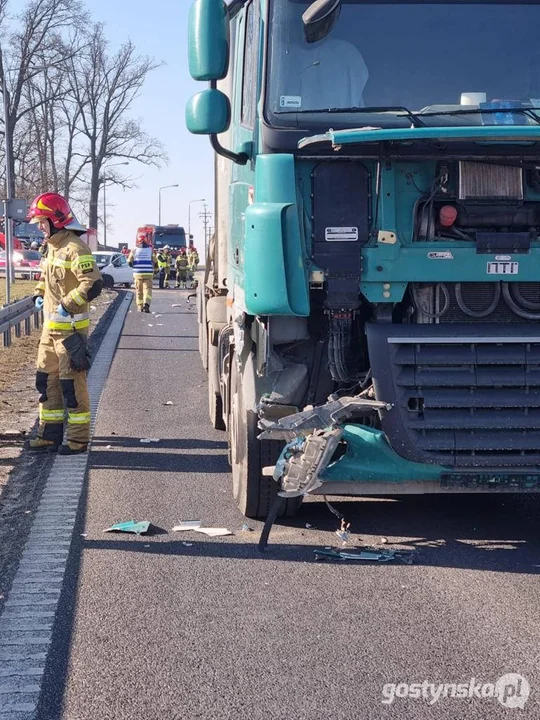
(158, 462)
(121, 441)
(155, 349)
(452, 553)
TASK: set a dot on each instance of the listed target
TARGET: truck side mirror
(208, 30)
(320, 18)
(208, 113)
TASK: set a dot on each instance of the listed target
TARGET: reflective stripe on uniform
(77, 297)
(82, 260)
(143, 274)
(77, 324)
(78, 418)
(57, 262)
(51, 416)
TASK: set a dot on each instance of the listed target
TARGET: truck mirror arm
(238, 158)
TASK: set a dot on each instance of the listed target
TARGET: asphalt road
(153, 628)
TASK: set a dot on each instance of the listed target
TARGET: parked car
(25, 262)
(114, 269)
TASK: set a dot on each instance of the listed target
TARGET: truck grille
(469, 398)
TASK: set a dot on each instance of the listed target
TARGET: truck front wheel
(253, 493)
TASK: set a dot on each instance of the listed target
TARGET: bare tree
(104, 87)
(28, 48)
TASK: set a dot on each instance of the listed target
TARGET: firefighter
(164, 265)
(144, 263)
(193, 263)
(70, 280)
(182, 265)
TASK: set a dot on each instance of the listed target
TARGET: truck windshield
(419, 55)
(174, 237)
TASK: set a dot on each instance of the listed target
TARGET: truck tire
(253, 492)
(215, 403)
(203, 329)
(108, 281)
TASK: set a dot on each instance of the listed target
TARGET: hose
(514, 307)
(529, 304)
(478, 313)
(428, 314)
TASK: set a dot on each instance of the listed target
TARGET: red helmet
(55, 208)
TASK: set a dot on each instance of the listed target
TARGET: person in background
(193, 263)
(70, 280)
(182, 265)
(164, 265)
(144, 263)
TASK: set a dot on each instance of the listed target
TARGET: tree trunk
(94, 197)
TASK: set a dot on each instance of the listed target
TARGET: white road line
(26, 624)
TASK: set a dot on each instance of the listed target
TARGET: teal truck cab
(372, 291)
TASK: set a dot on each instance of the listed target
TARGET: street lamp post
(159, 207)
(189, 215)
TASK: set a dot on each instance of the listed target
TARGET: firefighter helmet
(55, 208)
(141, 238)
(34, 245)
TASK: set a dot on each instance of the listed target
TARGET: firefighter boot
(72, 448)
(38, 445)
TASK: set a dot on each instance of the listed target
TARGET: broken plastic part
(332, 413)
(368, 553)
(213, 532)
(132, 526)
(303, 460)
(187, 525)
(149, 440)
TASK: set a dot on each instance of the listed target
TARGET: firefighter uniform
(182, 265)
(70, 278)
(164, 264)
(144, 263)
(193, 263)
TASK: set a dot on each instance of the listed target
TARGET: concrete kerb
(27, 621)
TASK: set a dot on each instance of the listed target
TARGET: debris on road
(367, 553)
(308, 526)
(344, 533)
(187, 525)
(214, 532)
(384, 540)
(169, 402)
(246, 528)
(186, 544)
(176, 305)
(150, 440)
(108, 447)
(138, 528)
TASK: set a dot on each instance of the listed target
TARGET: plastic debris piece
(108, 447)
(138, 528)
(187, 525)
(344, 533)
(246, 528)
(169, 402)
(149, 440)
(159, 324)
(384, 540)
(150, 325)
(186, 544)
(84, 534)
(213, 532)
(159, 315)
(371, 554)
(147, 546)
(308, 526)
(176, 305)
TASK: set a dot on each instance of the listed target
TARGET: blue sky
(159, 29)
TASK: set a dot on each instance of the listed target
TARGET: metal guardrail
(15, 315)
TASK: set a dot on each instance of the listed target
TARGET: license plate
(502, 268)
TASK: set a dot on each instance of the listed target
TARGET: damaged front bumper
(326, 455)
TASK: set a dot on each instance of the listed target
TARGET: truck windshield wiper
(529, 112)
(413, 117)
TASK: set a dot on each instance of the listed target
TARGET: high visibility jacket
(164, 261)
(69, 276)
(143, 261)
(182, 262)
